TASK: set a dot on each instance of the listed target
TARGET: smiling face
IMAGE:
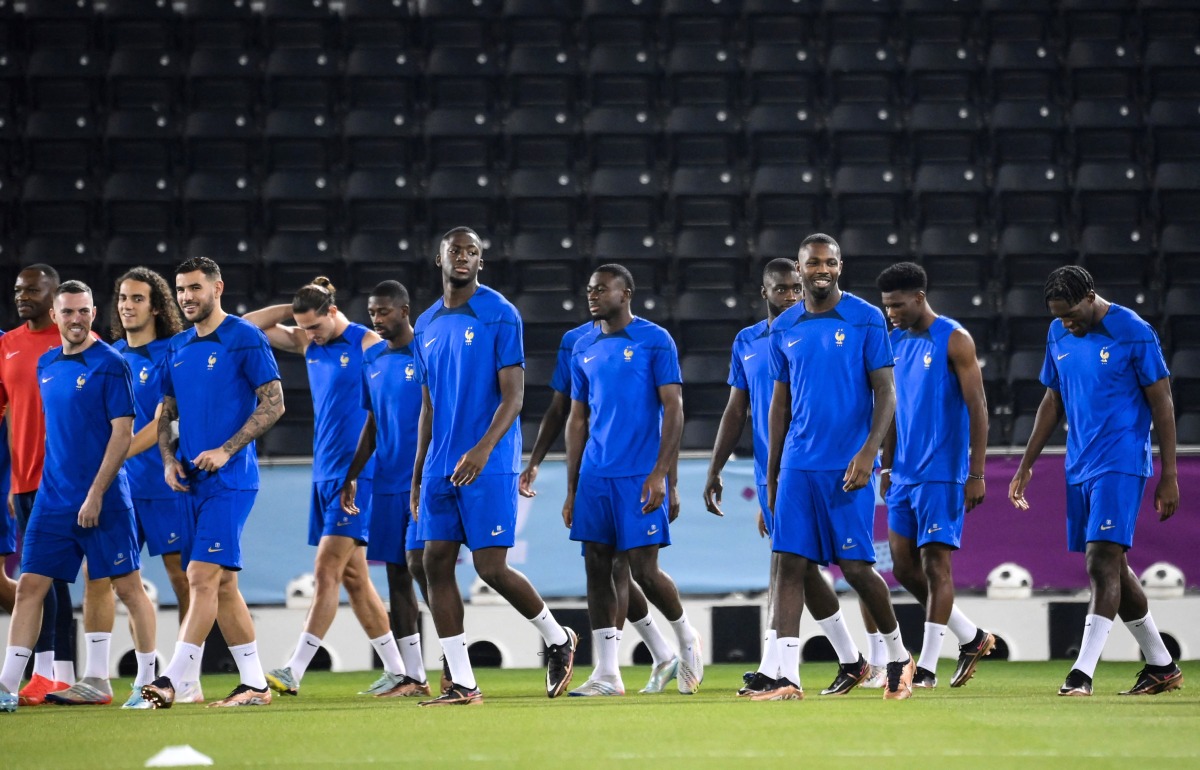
(904, 308)
(33, 295)
(197, 295)
(460, 256)
(134, 306)
(73, 314)
(820, 268)
(1079, 318)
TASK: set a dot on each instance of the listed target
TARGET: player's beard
(204, 311)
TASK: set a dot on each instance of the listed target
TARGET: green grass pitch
(1008, 716)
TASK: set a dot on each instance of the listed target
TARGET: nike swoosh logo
(119, 562)
(310, 644)
(20, 655)
(215, 550)
(1105, 529)
(747, 358)
(653, 530)
(793, 645)
(793, 342)
(895, 359)
(413, 644)
(1064, 355)
(177, 363)
(606, 636)
(173, 539)
(848, 546)
(342, 523)
(313, 360)
(46, 379)
(498, 530)
(375, 374)
(934, 528)
(247, 654)
(586, 359)
(10, 355)
(97, 641)
(427, 344)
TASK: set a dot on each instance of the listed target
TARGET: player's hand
(1016, 488)
(654, 491)
(885, 483)
(568, 511)
(174, 475)
(673, 505)
(470, 466)
(762, 524)
(859, 471)
(974, 491)
(712, 494)
(1166, 497)
(414, 501)
(211, 460)
(349, 490)
(525, 481)
(89, 513)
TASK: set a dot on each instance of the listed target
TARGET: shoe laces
(894, 670)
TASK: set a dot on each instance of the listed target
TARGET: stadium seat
(458, 137)
(299, 78)
(301, 201)
(376, 23)
(778, 134)
(949, 193)
(1106, 130)
(625, 197)
(457, 195)
(139, 202)
(551, 307)
(541, 137)
(1023, 70)
(1116, 253)
(383, 200)
(147, 24)
(221, 139)
(944, 131)
(73, 256)
(1183, 317)
(702, 136)
(461, 23)
(297, 139)
(1023, 429)
(622, 75)
(699, 433)
(1029, 252)
(937, 71)
(144, 78)
(1030, 193)
(1026, 131)
(463, 78)
(862, 72)
(859, 21)
(1175, 193)
(698, 21)
(380, 139)
(784, 73)
(64, 79)
(382, 77)
(1173, 126)
(292, 259)
(237, 254)
(933, 21)
(1180, 249)
(1024, 370)
(377, 256)
(220, 202)
(155, 251)
(860, 133)
(1171, 69)
(703, 73)
(540, 22)
(710, 257)
(787, 196)
(620, 21)
(61, 205)
(1109, 193)
(298, 24)
(61, 141)
(224, 78)
(543, 199)
(543, 76)
(869, 194)
(870, 250)
(1088, 20)
(956, 255)
(70, 26)
(1026, 321)
(618, 136)
(219, 24)
(1170, 19)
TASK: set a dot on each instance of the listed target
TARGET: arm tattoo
(266, 414)
(166, 442)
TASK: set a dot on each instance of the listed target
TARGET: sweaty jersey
(146, 366)
(335, 379)
(213, 380)
(618, 376)
(933, 430)
(826, 359)
(459, 352)
(560, 381)
(1100, 377)
(391, 392)
(20, 350)
(750, 370)
(82, 394)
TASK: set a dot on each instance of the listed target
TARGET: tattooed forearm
(166, 440)
(268, 412)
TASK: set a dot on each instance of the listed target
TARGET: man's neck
(925, 321)
(210, 324)
(814, 305)
(72, 349)
(622, 320)
(405, 337)
(456, 296)
(140, 337)
(38, 324)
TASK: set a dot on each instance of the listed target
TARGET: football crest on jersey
(928, 359)
(80, 381)
(839, 337)
(143, 375)
(629, 353)
(212, 361)
(409, 371)
(469, 335)
(345, 360)
(1104, 355)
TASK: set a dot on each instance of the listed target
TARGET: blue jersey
(933, 430)
(391, 392)
(146, 364)
(213, 380)
(459, 352)
(750, 370)
(826, 359)
(560, 382)
(335, 380)
(1100, 377)
(82, 393)
(618, 376)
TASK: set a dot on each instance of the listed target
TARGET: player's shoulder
(856, 309)
(574, 335)
(429, 314)
(490, 305)
(122, 346)
(371, 354)
(105, 354)
(584, 340)
(176, 341)
(649, 331)
(1128, 324)
(752, 333)
(788, 318)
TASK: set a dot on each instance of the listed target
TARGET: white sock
(1095, 634)
(789, 658)
(306, 649)
(192, 672)
(145, 667)
(656, 643)
(186, 655)
(605, 643)
(43, 664)
(389, 653)
(770, 657)
(876, 649)
(99, 647)
(410, 651)
(684, 631)
(455, 648)
(838, 635)
(249, 666)
(896, 651)
(548, 627)
(961, 626)
(15, 661)
(64, 671)
(931, 647)
(1146, 633)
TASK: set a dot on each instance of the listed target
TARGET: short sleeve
(1147, 357)
(420, 372)
(737, 371)
(510, 345)
(665, 363)
(365, 397)
(118, 390)
(168, 383)
(780, 370)
(258, 362)
(1049, 374)
(560, 381)
(579, 382)
(877, 347)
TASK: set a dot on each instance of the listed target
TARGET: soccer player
(333, 348)
(8, 523)
(54, 654)
(83, 508)
(933, 463)
(832, 404)
(664, 661)
(142, 319)
(222, 385)
(623, 437)
(1104, 372)
(750, 388)
(470, 363)
(392, 397)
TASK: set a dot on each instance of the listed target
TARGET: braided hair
(1070, 284)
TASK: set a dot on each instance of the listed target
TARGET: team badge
(629, 354)
(839, 337)
(212, 361)
(80, 381)
(1104, 355)
(143, 375)
(345, 359)
(469, 334)
(409, 371)
(928, 359)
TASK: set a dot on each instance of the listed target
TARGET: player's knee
(492, 572)
(130, 590)
(31, 589)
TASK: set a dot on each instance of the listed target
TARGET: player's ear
(762, 291)
(218, 288)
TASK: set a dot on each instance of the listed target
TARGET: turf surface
(1008, 716)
